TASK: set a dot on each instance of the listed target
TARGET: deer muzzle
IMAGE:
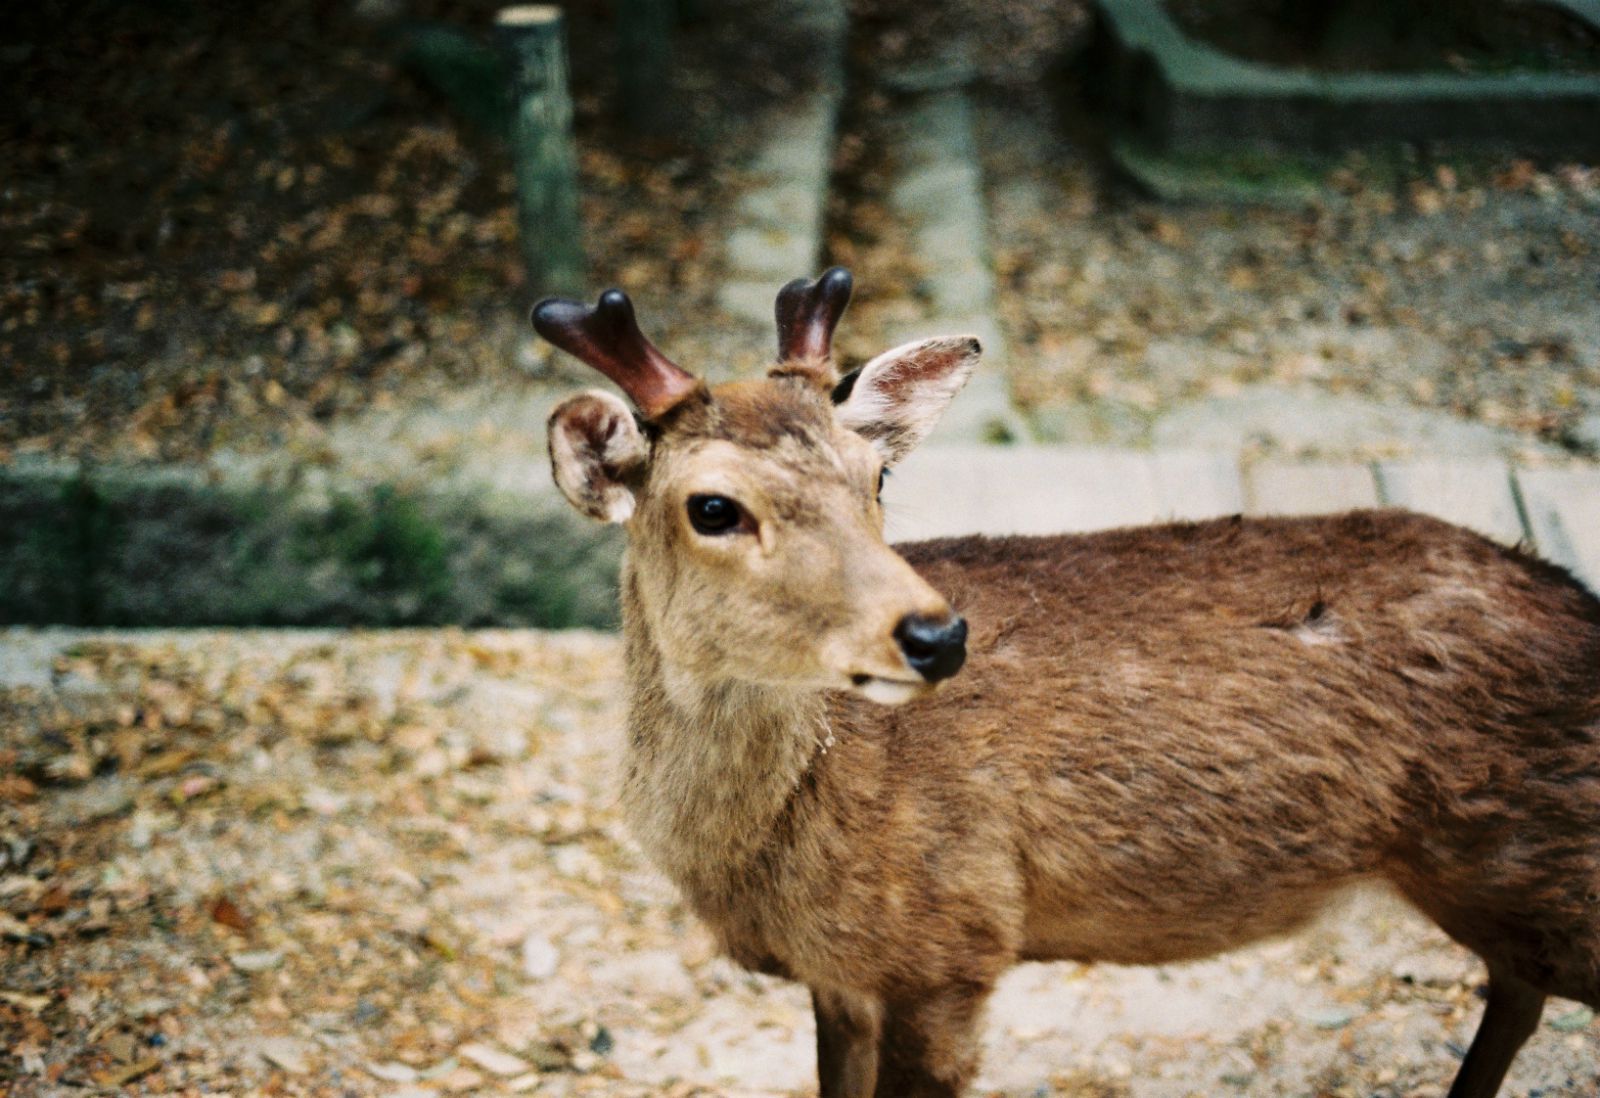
(934, 647)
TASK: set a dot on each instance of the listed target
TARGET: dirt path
(390, 863)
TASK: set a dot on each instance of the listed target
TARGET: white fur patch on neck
(889, 692)
(682, 688)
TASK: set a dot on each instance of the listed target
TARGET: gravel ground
(390, 863)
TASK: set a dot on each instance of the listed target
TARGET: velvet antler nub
(808, 312)
(606, 336)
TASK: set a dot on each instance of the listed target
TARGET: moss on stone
(123, 547)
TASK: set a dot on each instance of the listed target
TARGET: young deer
(1167, 741)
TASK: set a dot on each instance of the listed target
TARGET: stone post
(542, 146)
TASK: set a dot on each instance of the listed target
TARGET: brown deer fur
(1166, 742)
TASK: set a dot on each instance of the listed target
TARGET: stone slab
(1474, 494)
(1313, 488)
(947, 491)
(777, 229)
(952, 490)
(1563, 508)
(1179, 95)
(782, 204)
(1198, 484)
(750, 300)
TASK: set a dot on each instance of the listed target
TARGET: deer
(1137, 746)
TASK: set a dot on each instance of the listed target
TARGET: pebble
(540, 958)
(461, 1079)
(260, 960)
(392, 1072)
(288, 1053)
(493, 1060)
(1330, 1018)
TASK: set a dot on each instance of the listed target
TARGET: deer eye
(713, 515)
(883, 474)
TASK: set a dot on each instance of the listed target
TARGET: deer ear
(597, 453)
(898, 397)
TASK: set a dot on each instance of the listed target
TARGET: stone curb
(938, 195)
(1176, 95)
(1284, 182)
(109, 546)
(777, 233)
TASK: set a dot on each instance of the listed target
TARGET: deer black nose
(934, 648)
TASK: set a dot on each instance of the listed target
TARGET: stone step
(1475, 494)
(1563, 508)
(1309, 488)
(944, 491)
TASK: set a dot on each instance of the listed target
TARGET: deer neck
(711, 766)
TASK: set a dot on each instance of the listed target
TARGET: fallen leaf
(120, 1077)
(33, 1004)
(13, 927)
(168, 762)
(226, 912)
(548, 1056)
(14, 787)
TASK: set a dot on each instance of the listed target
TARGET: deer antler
(607, 337)
(807, 314)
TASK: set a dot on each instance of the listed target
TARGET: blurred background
(255, 251)
(264, 362)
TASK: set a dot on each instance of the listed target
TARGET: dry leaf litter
(391, 863)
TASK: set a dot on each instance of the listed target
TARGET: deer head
(755, 528)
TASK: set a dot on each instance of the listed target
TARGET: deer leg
(1508, 1021)
(848, 1029)
(930, 1044)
